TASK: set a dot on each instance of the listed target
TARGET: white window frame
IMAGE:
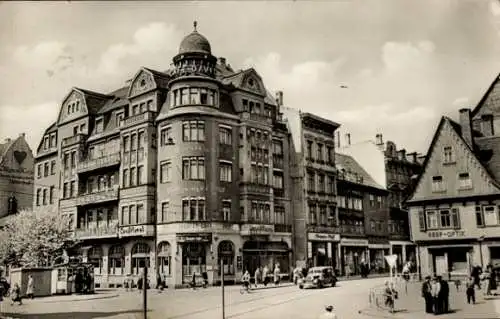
(464, 183)
(225, 171)
(226, 211)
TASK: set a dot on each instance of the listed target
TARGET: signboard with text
(136, 230)
(443, 234)
(199, 237)
(250, 229)
(323, 237)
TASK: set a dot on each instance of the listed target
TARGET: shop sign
(194, 237)
(136, 230)
(354, 242)
(323, 237)
(193, 67)
(257, 229)
(446, 234)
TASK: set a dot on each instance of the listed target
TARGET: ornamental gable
(74, 106)
(143, 82)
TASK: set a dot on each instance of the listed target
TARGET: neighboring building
(363, 217)
(393, 170)
(181, 170)
(16, 176)
(454, 209)
(316, 234)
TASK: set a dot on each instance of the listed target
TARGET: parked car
(319, 277)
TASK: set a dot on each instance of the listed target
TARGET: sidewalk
(411, 305)
(103, 294)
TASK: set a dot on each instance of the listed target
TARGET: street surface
(348, 298)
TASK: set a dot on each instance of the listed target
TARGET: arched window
(164, 258)
(226, 256)
(94, 256)
(116, 260)
(140, 257)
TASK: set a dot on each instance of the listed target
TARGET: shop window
(116, 260)
(164, 258)
(194, 259)
(226, 257)
(94, 256)
(140, 258)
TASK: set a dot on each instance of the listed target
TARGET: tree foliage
(31, 239)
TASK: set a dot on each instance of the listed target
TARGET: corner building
(182, 171)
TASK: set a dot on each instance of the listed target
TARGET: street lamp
(480, 240)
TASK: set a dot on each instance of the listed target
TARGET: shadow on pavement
(66, 315)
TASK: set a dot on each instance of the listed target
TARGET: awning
(379, 246)
(266, 250)
(447, 246)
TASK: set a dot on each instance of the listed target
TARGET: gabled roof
(119, 100)
(456, 127)
(349, 164)
(492, 86)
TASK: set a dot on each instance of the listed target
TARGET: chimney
(7, 140)
(23, 135)
(402, 154)
(465, 123)
(279, 98)
(379, 140)
(348, 139)
(222, 60)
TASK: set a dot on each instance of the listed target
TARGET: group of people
(15, 291)
(261, 275)
(436, 294)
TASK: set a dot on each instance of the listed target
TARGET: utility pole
(222, 286)
(145, 292)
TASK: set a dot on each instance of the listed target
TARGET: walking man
(471, 293)
(257, 277)
(31, 287)
(444, 294)
(427, 294)
(436, 289)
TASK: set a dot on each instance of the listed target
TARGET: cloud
(153, 38)
(44, 56)
(39, 117)
(495, 7)
(461, 101)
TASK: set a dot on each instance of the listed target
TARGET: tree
(35, 238)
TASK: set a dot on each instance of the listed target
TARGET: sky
(390, 66)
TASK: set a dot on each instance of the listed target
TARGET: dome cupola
(195, 43)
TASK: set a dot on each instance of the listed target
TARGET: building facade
(183, 171)
(454, 208)
(16, 176)
(316, 235)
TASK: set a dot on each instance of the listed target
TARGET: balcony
(323, 229)
(99, 197)
(101, 162)
(108, 231)
(352, 230)
(279, 192)
(75, 139)
(256, 188)
(256, 229)
(283, 228)
(148, 116)
(260, 118)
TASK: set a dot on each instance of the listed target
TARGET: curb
(56, 298)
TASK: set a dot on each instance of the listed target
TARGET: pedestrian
(265, 276)
(436, 288)
(296, 275)
(427, 294)
(328, 314)
(31, 287)
(193, 281)
(444, 295)
(245, 279)
(140, 282)
(476, 274)
(159, 283)
(16, 295)
(257, 277)
(491, 280)
(390, 295)
(204, 275)
(471, 293)
(277, 275)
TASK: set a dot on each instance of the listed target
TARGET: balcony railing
(323, 229)
(87, 165)
(108, 231)
(352, 230)
(256, 188)
(99, 197)
(260, 118)
(75, 139)
(147, 116)
(282, 228)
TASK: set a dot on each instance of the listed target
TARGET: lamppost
(480, 240)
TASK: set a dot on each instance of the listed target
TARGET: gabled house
(455, 206)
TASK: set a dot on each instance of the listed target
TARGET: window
(99, 125)
(51, 195)
(312, 214)
(194, 96)
(53, 167)
(140, 175)
(331, 185)
(372, 225)
(226, 209)
(66, 161)
(75, 130)
(321, 183)
(38, 193)
(133, 142)
(126, 144)
(140, 140)
(487, 216)
(448, 156)
(164, 258)
(464, 181)
(165, 172)
(193, 131)
(73, 159)
(193, 209)
(279, 215)
(39, 171)
(432, 220)
(438, 184)
(329, 155)
(125, 178)
(53, 141)
(379, 201)
(443, 218)
(320, 152)
(193, 168)
(277, 147)
(141, 216)
(133, 176)
(125, 215)
(165, 206)
(322, 215)
(309, 149)
(72, 189)
(166, 136)
(45, 196)
(278, 180)
(46, 169)
(311, 185)
(226, 170)
(225, 135)
(372, 200)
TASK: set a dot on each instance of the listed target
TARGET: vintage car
(319, 277)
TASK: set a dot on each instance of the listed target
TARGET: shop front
(322, 249)
(494, 254)
(377, 253)
(405, 250)
(195, 249)
(259, 252)
(353, 252)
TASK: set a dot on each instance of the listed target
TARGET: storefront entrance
(194, 259)
(264, 253)
(495, 256)
(451, 260)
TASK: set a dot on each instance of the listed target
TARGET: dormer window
(448, 156)
(251, 83)
(69, 108)
(99, 125)
(46, 143)
(53, 141)
(143, 83)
